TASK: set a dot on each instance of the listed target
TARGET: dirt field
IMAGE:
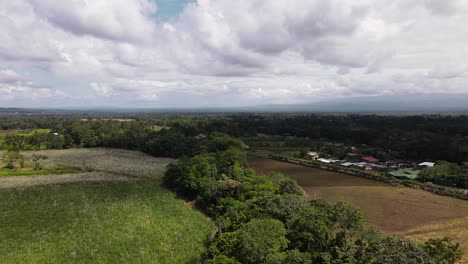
(391, 209)
(412, 213)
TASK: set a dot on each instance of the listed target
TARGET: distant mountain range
(408, 104)
(381, 104)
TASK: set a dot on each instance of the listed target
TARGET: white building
(426, 164)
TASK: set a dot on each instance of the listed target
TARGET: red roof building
(370, 159)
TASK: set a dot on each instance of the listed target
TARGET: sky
(215, 53)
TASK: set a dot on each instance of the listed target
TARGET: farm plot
(123, 162)
(99, 222)
(388, 208)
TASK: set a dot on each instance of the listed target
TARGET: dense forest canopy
(432, 137)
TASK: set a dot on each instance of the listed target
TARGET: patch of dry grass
(123, 162)
(456, 229)
(28, 181)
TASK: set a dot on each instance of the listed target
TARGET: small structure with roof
(405, 174)
(327, 160)
(312, 155)
(426, 164)
(347, 164)
(370, 159)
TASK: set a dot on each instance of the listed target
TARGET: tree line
(406, 137)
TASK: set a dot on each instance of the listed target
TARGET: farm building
(392, 164)
(426, 164)
(360, 164)
(405, 174)
(376, 166)
(356, 164)
(370, 159)
(312, 155)
(327, 160)
(347, 164)
(201, 136)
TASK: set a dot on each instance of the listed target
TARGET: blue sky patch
(168, 9)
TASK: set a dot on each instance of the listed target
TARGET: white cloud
(245, 51)
(123, 20)
(10, 92)
(446, 7)
(9, 76)
(101, 89)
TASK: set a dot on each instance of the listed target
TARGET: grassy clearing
(123, 162)
(112, 222)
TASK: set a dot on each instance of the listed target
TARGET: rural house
(426, 164)
(312, 155)
(370, 159)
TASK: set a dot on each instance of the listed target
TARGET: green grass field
(109, 209)
(112, 222)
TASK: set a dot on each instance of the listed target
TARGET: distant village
(396, 168)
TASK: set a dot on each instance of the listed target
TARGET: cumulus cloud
(124, 20)
(228, 34)
(447, 7)
(9, 76)
(14, 86)
(240, 52)
(101, 89)
(24, 92)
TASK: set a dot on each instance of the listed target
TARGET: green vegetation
(212, 172)
(446, 171)
(13, 163)
(99, 223)
(390, 208)
(48, 171)
(444, 251)
(29, 139)
(12, 159)
(264, 219)
(456, 229)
